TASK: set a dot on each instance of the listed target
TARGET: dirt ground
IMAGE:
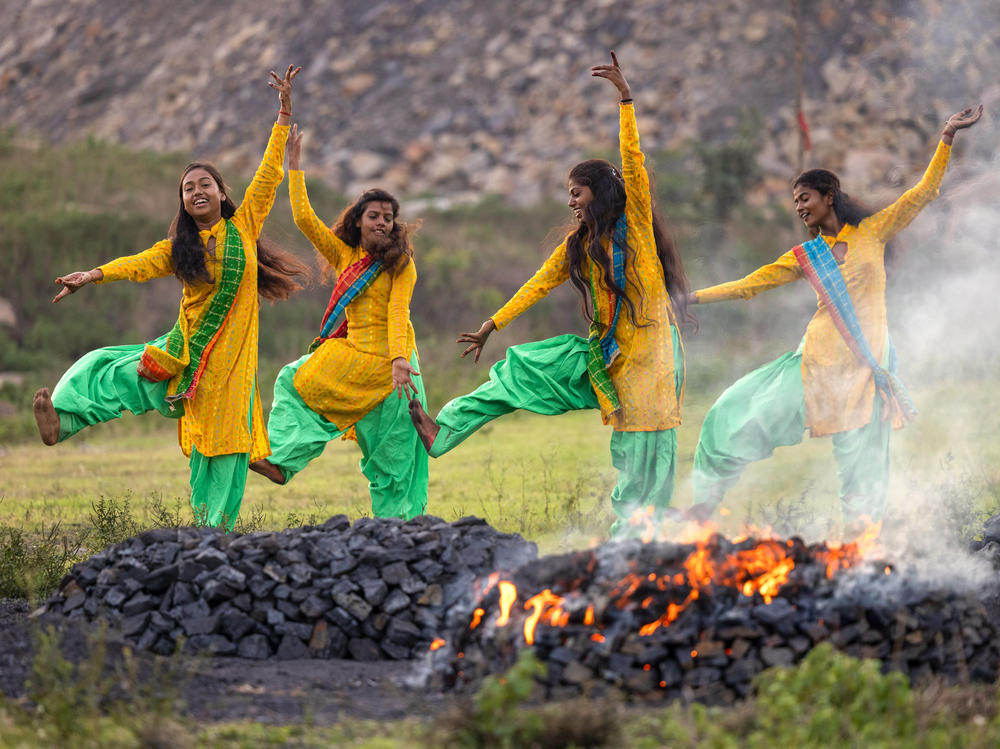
(229, 689)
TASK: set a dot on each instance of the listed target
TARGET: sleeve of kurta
(152, 263)
(259, 197)
(888, 222)
(638, 203)
(328, 244)
(783, 270)
(399, 310)
(553, 272)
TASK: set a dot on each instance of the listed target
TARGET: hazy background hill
(474, 112)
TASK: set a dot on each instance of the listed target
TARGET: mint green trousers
(392, 457)
(766, 409)
(550, 377)
(104, 383)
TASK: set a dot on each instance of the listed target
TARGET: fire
(752, 568)
(544, 602)
(508, 594)
(437, 643)
(477, 616)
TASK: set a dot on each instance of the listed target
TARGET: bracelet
(626, 101)
(282, 111)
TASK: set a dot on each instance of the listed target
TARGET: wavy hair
(394, 257)
(599, 219)
(279, 273)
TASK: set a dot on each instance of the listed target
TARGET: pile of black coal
(379, 589)
(664, 621)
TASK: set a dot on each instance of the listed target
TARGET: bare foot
(46, 416)
(268, 470)
(427, 428)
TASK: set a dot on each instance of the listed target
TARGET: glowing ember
(437, 643)
(508, 594)
(477, 616)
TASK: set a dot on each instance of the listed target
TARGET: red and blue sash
(821, 269)
(352, 282)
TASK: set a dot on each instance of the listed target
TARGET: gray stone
(204, 625)
(353, 604)
(396, 601)
(363, 649)
(292, 648)
(235, 624)
(138, 603)
(314, 607)
(255, 647)
(374, 591)
(216, 644)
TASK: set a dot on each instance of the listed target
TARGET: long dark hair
(400, 250)
(278, 271)
(599, 219)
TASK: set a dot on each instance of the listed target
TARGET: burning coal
(699, 620)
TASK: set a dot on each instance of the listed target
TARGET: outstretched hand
(477, 339)
(284, 87)
(401, 382)
(294, 148)
(966, 118)
(70, 283)
(613, 73)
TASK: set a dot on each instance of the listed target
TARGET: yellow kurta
(643, 374)
(215, 419)
(345, 378)
(839, 388)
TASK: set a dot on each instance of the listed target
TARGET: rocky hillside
(463, 97)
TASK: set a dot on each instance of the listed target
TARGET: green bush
(31, 565)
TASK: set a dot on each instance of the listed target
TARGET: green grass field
(547, 478)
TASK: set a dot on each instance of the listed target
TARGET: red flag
(804, 127)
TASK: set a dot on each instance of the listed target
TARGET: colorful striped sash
(820, 267)
(354, 280)
(185, 353)
(604, 348)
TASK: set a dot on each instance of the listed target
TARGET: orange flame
(477, 616)
(508, 594)
(544, 601)
(437, 643)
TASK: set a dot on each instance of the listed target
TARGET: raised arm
(259, 196)
(143, 266)
(783, 270)
(638, 202)
(328, 244)
(888, 222)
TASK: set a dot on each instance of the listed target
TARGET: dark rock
(363, 649)
(255, 647)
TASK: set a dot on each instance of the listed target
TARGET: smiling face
(580, 197)
(813, 207)
(202, 197)
(376, 224)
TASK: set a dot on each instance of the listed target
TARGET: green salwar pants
(392, 457)
(103, 383)
(766, 409)
(550, 377)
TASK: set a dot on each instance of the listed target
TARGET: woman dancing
(204, 371)
(841, 381)
(343, 386)
(631, 367)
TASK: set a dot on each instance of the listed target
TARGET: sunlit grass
(547, 478)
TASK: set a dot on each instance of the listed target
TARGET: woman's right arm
(553, 272)
(156, 262)
(329, 245)
(783, 270)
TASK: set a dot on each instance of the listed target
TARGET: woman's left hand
(401, 382)
(966, 118)
(284, 87)
(613, 73)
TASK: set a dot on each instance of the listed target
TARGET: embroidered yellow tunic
(345, 378)
(215, 419)
(643, 374)
(840, 389)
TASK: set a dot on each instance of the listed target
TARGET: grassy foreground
(547, 478)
